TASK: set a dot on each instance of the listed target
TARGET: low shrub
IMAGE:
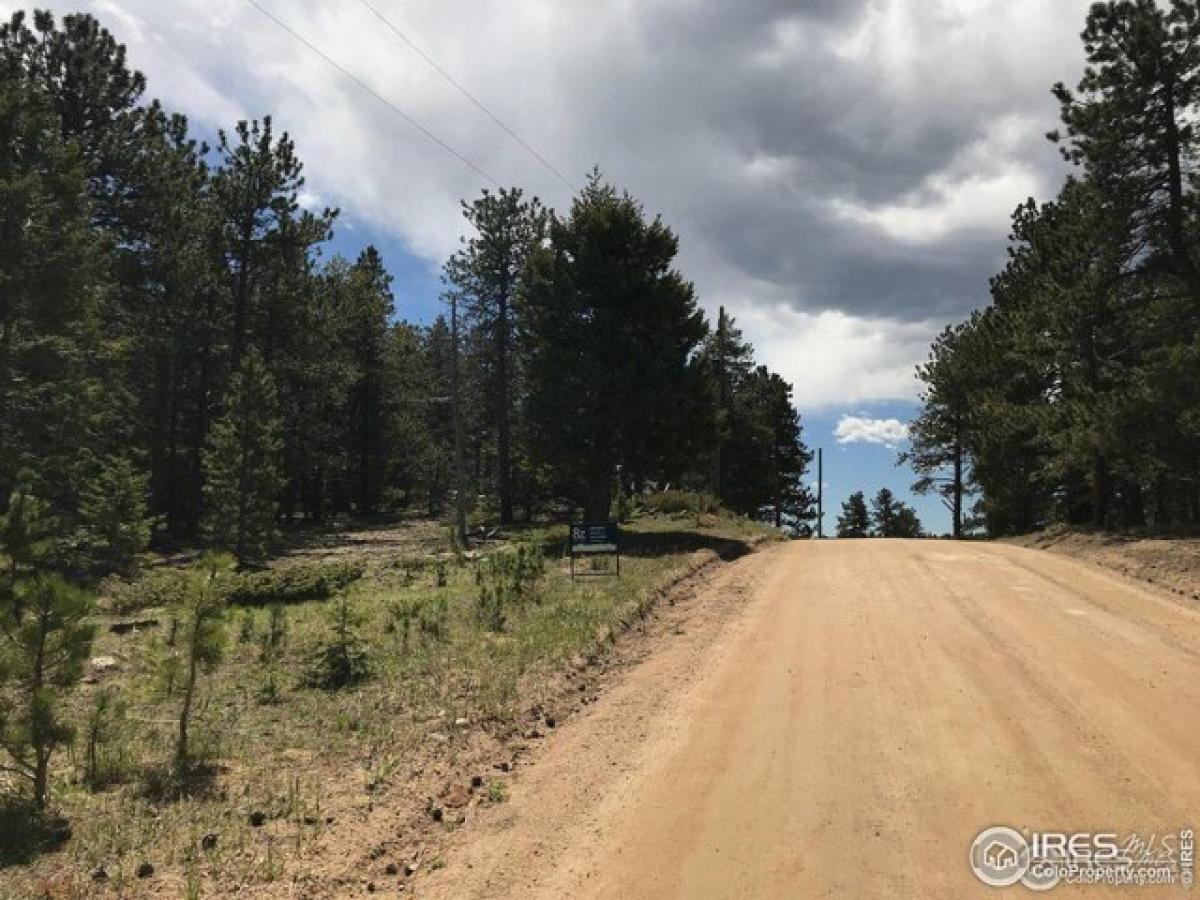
(676, 502)
(507, 578)
(158, 587)
(433, 618)
(294, 584)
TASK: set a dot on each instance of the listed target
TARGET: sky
(840, 172)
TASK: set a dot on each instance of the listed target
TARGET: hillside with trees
(1074, 396)
(172, 339)
(189, 386)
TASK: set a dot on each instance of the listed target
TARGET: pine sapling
(46, 639)
(341, 662)
(201, 638)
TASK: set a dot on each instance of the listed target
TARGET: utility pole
(719, 368)
(460, 492)
(820, 492)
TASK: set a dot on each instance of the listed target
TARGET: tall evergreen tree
(726, 361)
(1130, 122)
(488, 273)
(116, 525)
(609, 328)
(370, 293)
(173, 315)
(885, 509)
(890, 518)
(435, 381)
(939, 434)
(241, 466)
(50, 285)
(255, 193)
(792, 503)
(764, 459)
(855, 521)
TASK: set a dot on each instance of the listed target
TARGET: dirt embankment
(1169, 563)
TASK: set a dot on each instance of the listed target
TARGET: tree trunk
(719, 372)
(958, 487)
(1099, 491)
(503, 426)
(598, 502)
(185, 713)
(364, 454)
(204, 389)
(171, 498)
(1194, 504)
(241, 291)
(460, 498)
(8, 328)
(37, 737)
(1176, 239)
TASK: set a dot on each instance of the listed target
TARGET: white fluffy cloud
(832, 358)
(839, 171)
(855, 430)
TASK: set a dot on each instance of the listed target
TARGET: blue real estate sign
(585, 534)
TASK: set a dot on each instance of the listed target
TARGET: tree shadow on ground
(26, 831)
(664, 543)
(165, 785)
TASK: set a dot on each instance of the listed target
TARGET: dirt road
(841, 719)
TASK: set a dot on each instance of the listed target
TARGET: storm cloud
(840, 172)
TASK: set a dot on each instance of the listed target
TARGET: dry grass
(289, 765)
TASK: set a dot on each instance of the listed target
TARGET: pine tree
(241, 466)
(113, 515)
(435, 385)
(199, 614)
(45, 638)
(726, 360)
(609, 328)
(50, 283)
(488, 273)
(173, 316)
(854, 522)
(1130, 121)
(341, 661)
(764, 458)
(792, 503)
(939, 434)
(27, 530)
(884, 510)
(890, 518)
(906, 524)
(255, 201)
(371, 307)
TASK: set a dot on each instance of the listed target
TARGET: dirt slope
(873, 706)
(1170, 563)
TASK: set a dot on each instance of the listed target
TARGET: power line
(462, 90)
(374, 93)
